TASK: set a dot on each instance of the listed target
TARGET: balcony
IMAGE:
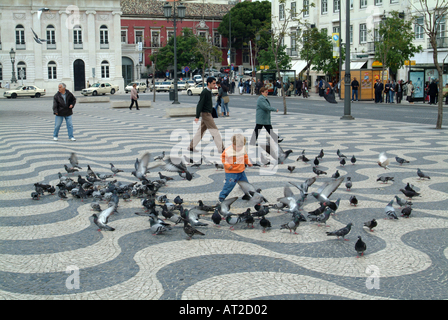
(441, 43)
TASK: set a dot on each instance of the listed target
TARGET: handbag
(214, 114)
(226, 99)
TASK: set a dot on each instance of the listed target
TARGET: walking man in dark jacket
(63, 103)
(433, 90)
(204, 109)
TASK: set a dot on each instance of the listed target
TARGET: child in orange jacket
(234, 159)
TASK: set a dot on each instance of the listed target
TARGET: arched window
(21, 66)
(52, 75)
(104, 69)
(20, 37)
(77, 37)
(51, 38)
(104, 37)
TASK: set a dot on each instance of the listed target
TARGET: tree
(208, 53)
(433, 17)
(310, 47)
(395, 43)
(266, 57)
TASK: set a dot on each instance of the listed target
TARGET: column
(116, 45)
(67, 64)
(39, 71)
(92, 41)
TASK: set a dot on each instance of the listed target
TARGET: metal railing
(440, 42)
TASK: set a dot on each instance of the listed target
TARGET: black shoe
(130, 108)
(138, 109)
(280, 140)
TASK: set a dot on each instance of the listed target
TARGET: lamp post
(180, 14)
(347, 105)
(12, 54)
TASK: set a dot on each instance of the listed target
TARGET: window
(293, 9)
(51, 39)
(324, 6)
(52, 75)
(21, 70)
(104, 69)
(378, 2)
(246, 57)
(394, 1)
(281, 12)
(362, 33)
(306, 8)
(440, 27)
(170, 34)
(376, 35)
(418, 30)
(20, 37)
(351, 34)
(124, 36)
(217, 39)
(77, 37)
(336, 5)
(155, 39)
(336, 30)
(293, 42)
(104, 37)
(138, 36)
(203, 34)
(363, 3)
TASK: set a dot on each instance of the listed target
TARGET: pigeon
(353, 201)
(70, 170)
(191, 231)
(341, 232)
(103, 218)
(408, 187)
(178, 200)
(371, 224)
(332, 205)
(410, 194)
(224, 206)
(336, 175)
(103, 176)
(340, 155)
(318, 211)
(291, 201)
(219, 166)
(406, 212)
(291, 168)
(62, 194)
(265, 223)
(322, 217)
(318, 172)
(327, 189)
(114, 169)
(348, 183)
(321, 154)
(316, 162)
(157, 225)
(360, 247)
(140, 171)
(401, 160)
(291, 225)
(353, 159)
(36, 37)
(233, 221)
(175, 165)
(216, 217)
(383, 161)
(342, 162)
(160, 157)
(249, 191)
(74, 160)
(421, 175)
(95, 207)
(203, 207)
(402, 202)
(385, 179)
(35, 195)
(276, 152)
(161, 176)
(303, 158)
(390, 211)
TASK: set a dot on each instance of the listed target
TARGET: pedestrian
(63, 103)
(204, 109)
(223, 91)
(134, 97)
(218, 98)
(399, 91)
(392, 92)
(433, 90)
(0, 85)
(299, 87)
(234, 158)
(321, 87)
(445, 93)
(88, 84)
(386, 90)
(7, 85)
(410, 92)
(263, 117)
(241, 86)
(232, 87)
(378, 87)
(355, 87)
(305, 89)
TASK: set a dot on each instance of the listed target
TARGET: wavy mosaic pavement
(41, 241)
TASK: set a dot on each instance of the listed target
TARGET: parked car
(197, 78)
(225, 70)
(24, 91)
(248, 71)
(141, 87)
(181, 85)
(197, 89)
(163, 86)
(100, 88)
(211, 72)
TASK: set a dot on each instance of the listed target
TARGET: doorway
(127, 70)
(79, 74)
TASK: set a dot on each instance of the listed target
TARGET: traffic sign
(187, 69)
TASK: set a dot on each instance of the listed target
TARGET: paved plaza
(51, 249)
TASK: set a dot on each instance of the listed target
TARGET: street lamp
(180, 14)
(12, 54)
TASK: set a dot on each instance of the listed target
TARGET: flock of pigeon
(95, 185)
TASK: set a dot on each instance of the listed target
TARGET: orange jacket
(234, 162)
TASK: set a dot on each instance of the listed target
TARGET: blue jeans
(224, 107)
(355, 93)
(391, 96)
(57, 125)
(231, 180)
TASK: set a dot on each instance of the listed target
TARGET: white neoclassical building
(365, 16)
(82, 42)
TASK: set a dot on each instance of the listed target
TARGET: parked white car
(24, 91)
(197, 78)
(162, 86)
(197, 89)
(141, 87)
(100, 88)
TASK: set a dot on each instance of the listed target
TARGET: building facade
(365, 16)
(82, 42)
